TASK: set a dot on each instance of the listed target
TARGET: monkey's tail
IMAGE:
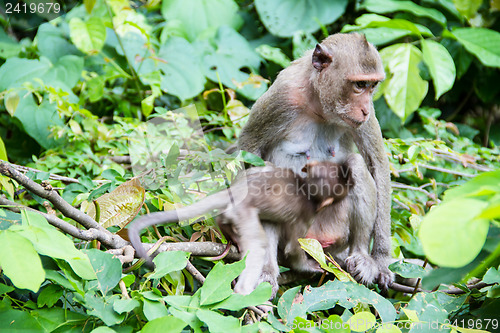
(218, 200)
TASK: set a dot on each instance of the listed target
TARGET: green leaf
(88, 37)
(217, 286)
(49, 295)
(17, 257)
(451, 233)
(407, 270)
(125, 305)
(284, 18)
(8, 47)
(218, 323)
(484, 180)
(405, 89)
(51, 242)
(52, 42)
(11, 102)
(37, 120)
(15, 72)
(181, 76)
(229, 61)
(154, 309)
(492, 276)
(3, 154)
(201, 17)
(107, 267)
(481, 42)
(103, 309)
(252, 159)
(390, 6)
(273, 54)
(441, 66)
(314, 249)
(169, 261)
(361, 321)
(18, 321)
(236, 302)
(168, 324)
(468, 8)
(5, 289)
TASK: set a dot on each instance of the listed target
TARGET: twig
(105, 237)
(413, 188)
(401, 204)
(451, 172)
(47, 193)
(194, 272)
(201, 249)
(123, 289)
(51, 176)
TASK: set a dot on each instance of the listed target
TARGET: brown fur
(323, 101)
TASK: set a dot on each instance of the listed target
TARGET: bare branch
(47, 193)
(194, 272)
(105, 237)
(201, 249)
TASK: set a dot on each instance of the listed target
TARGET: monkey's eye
(360, 85)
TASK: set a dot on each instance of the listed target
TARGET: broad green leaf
(17, 257)
(218, 323)
(217, 286)
(5, 289)
(451, 233)
(390, 6)
(199, 17)
(169, 261)
(52, 42)
(284, 18)
(8, 47)
(440, 64)
(18, 321)
(362, 321)
(468, 8)
(481, 42)
(154, 309)
(49, 295)
(37, 120)
(181, 76)
(404, 89)
(407, 270)
(429, 309)
(483, 180)
(15, 72)
(88, 37)
(229, 61)
(314, 249)
(273, 54)
(125, 305)
(103, 329)
(120, 206)
(492, 276)
(103, 309)
(168, 324)
(11, 102)
(236, 302)
(107, 267)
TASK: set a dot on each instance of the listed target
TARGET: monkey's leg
(363, 210)
(270, 269)
(253, 244)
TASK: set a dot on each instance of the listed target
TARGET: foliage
(113, 89)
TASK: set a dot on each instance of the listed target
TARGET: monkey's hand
(362, 267)
(385, 277)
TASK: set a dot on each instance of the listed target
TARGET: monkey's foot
(363, 268)
(273, 281)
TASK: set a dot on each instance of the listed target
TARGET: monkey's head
(346, 70)
(327, 182)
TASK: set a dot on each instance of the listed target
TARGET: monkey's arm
(370, 143)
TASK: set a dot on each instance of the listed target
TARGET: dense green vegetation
(142, 99)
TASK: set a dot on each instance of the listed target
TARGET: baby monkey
(284, 201)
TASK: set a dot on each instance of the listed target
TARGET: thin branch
(47, 193)
(194, 272)
(52, 176)
(401, 204)
(412, 188)
(105, 237)
(451, 172)
(200, 249)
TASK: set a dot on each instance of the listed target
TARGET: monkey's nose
(365, 111)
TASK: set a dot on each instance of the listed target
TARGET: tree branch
(200, 249)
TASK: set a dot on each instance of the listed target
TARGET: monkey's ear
(321, 58)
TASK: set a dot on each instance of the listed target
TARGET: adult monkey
(320, 108)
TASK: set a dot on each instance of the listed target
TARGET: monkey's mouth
(353, 122)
